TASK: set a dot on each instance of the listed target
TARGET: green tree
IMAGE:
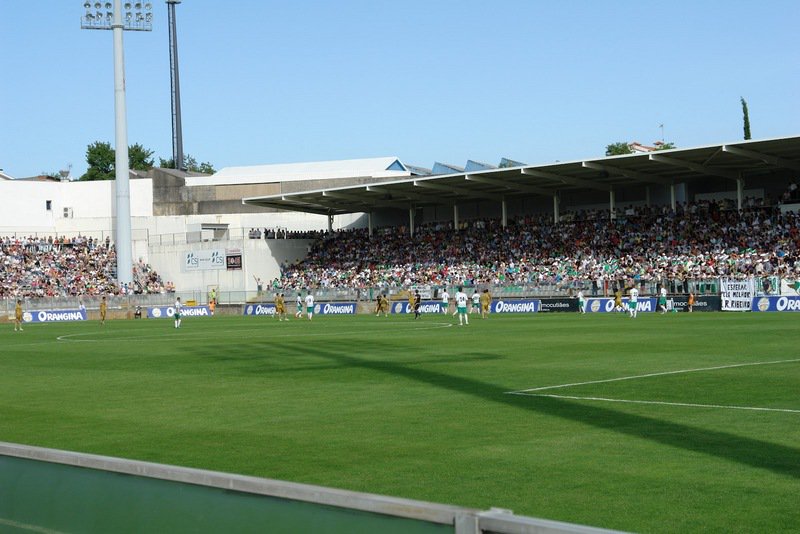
(618, 149)
(665, 146)
(746, 118)
(100, 158)
(140, 158)
(189, 163)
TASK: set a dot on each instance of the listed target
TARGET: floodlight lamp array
(136, 16)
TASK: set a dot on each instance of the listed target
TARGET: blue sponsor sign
(776, 304)
(335, 308)
(516, 306)
(260, 309)
(168, 312)
(426, 306)
(53, 316)
(605, 305)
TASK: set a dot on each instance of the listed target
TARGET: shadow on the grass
(761, 454)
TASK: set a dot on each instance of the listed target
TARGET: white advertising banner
(204, 260)
(737, 295)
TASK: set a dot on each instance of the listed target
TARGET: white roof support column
(612, 204)
(739, 192)
(556, 208)
(504, 213)
(411, 221)
(672, 197)
(330, 224)
(455, 217)
(369, 223)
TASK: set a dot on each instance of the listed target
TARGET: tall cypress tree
(746, 115)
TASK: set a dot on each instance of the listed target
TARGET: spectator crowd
(60, 266)
(698, 241)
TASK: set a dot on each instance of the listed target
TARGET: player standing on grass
(18, 316)
(445, 301)
(411, 300)
(299, 301)
(618, 307)
(486, 302)
(461, 307)
(662, 300)
(103, 310)
(634, 297)
(310, 305)
(581, 302)
(417, 304)
(476, 303)
(383, 305)
(178, 307)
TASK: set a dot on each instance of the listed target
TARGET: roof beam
(696, 167)
(461, 191)
(392, 193)
(568, 180)
(522, 188)
(760, 156)
(636, 175)
(363, 200)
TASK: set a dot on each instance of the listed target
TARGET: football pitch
(673, 423)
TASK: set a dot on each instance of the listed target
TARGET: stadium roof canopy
(734, 161)
(386, 167)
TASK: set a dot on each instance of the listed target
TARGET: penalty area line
(665, 373)
(662, 403)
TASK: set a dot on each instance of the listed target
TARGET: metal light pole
(137, 17)
(177, 129)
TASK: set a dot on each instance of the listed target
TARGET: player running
(581, 302)
(445, 301)
(634, 297)
(299, 302)
(383, 306)
(461, 307)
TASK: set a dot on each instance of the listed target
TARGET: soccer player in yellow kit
(486, 302)
(18, 316)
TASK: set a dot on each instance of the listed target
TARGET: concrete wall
(261, 258)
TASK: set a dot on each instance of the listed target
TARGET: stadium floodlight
(112, 19)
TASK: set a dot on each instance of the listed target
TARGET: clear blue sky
(424, 80)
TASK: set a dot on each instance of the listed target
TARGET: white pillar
(330, 224)
(504, 212)
(411, 221)
(369, 223)
(123, 192)
(612, 205)
(556, 208)
(739, 192)
(455, 217)
(672, 197)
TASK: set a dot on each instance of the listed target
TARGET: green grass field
(425, 410)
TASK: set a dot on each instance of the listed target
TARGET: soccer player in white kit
(299, 301)
(634, 297)
(461, 307)
(178, 307)
(581, 302)
(445, 300)
(476, 303)
(310, 305)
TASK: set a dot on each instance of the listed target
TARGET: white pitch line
(629, 401)
(654, 374)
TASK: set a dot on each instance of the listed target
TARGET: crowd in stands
(60, 266)
(698, 241)
(283, 233)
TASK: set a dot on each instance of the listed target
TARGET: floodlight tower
(177, 128)
(137, 17)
